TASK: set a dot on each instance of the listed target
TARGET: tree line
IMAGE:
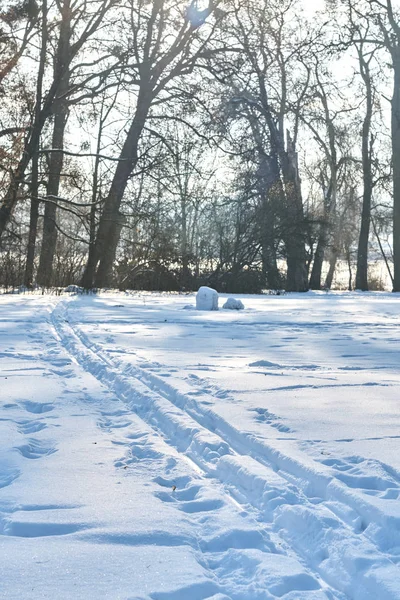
(247, 144)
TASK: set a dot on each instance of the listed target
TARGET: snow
(153, 453)
(233, 304)
(206, 299)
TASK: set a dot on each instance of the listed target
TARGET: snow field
(293, 523)
(237, 505)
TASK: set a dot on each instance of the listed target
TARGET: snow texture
(206, 299)
(233, 304)
(260, 463)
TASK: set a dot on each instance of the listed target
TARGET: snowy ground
(148, 451)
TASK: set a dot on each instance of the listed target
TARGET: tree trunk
(332, 267)
(270, 269)
(297, 280)
(49, 241)
(104, 272)
(362, 252)
(382, 251)
(185, 275)
(289, 189)
(316, 271)
(269, 188)
(33, 221)
(296, 277)
(268, 252)
(88, 276)
(396, 170)
(329, 212)
(90, 269)
(34, 212)
(348, 258)
(60, 111)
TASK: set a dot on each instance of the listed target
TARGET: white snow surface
(153, 453)
(206, 298)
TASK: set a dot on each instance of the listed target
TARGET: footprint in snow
(110, 424)
(65, 373)
(31, 426)
(115, 413)
(60, 362)
(39, 529)
(140, 450)
(35, 449)
(264, 416)
(7, 476)
(368, 475)
(189, 498)
(37, 407)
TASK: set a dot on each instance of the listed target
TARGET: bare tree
(17, 28)
(159, 59)
(263, 83)
(89, 23)
(34, 183)
(383, 15)
(324, 115)
(60, 115)
(367, 142)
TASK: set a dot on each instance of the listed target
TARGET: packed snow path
(151, 452)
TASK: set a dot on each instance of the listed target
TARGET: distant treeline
(245, 145)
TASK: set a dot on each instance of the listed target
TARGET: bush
(248, 281)
(153, 278)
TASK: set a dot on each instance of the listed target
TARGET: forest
(248, 145)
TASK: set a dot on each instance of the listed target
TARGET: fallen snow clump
(233, 304)
(206, 299)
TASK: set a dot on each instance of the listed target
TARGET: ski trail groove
(291, 514)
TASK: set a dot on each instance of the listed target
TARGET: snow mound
(206, 299)
(265, 363)
(233, 304)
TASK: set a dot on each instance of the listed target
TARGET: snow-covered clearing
(152, 452)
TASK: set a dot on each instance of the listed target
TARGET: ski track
(192, 498)
(270, 571)
(299, 504)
